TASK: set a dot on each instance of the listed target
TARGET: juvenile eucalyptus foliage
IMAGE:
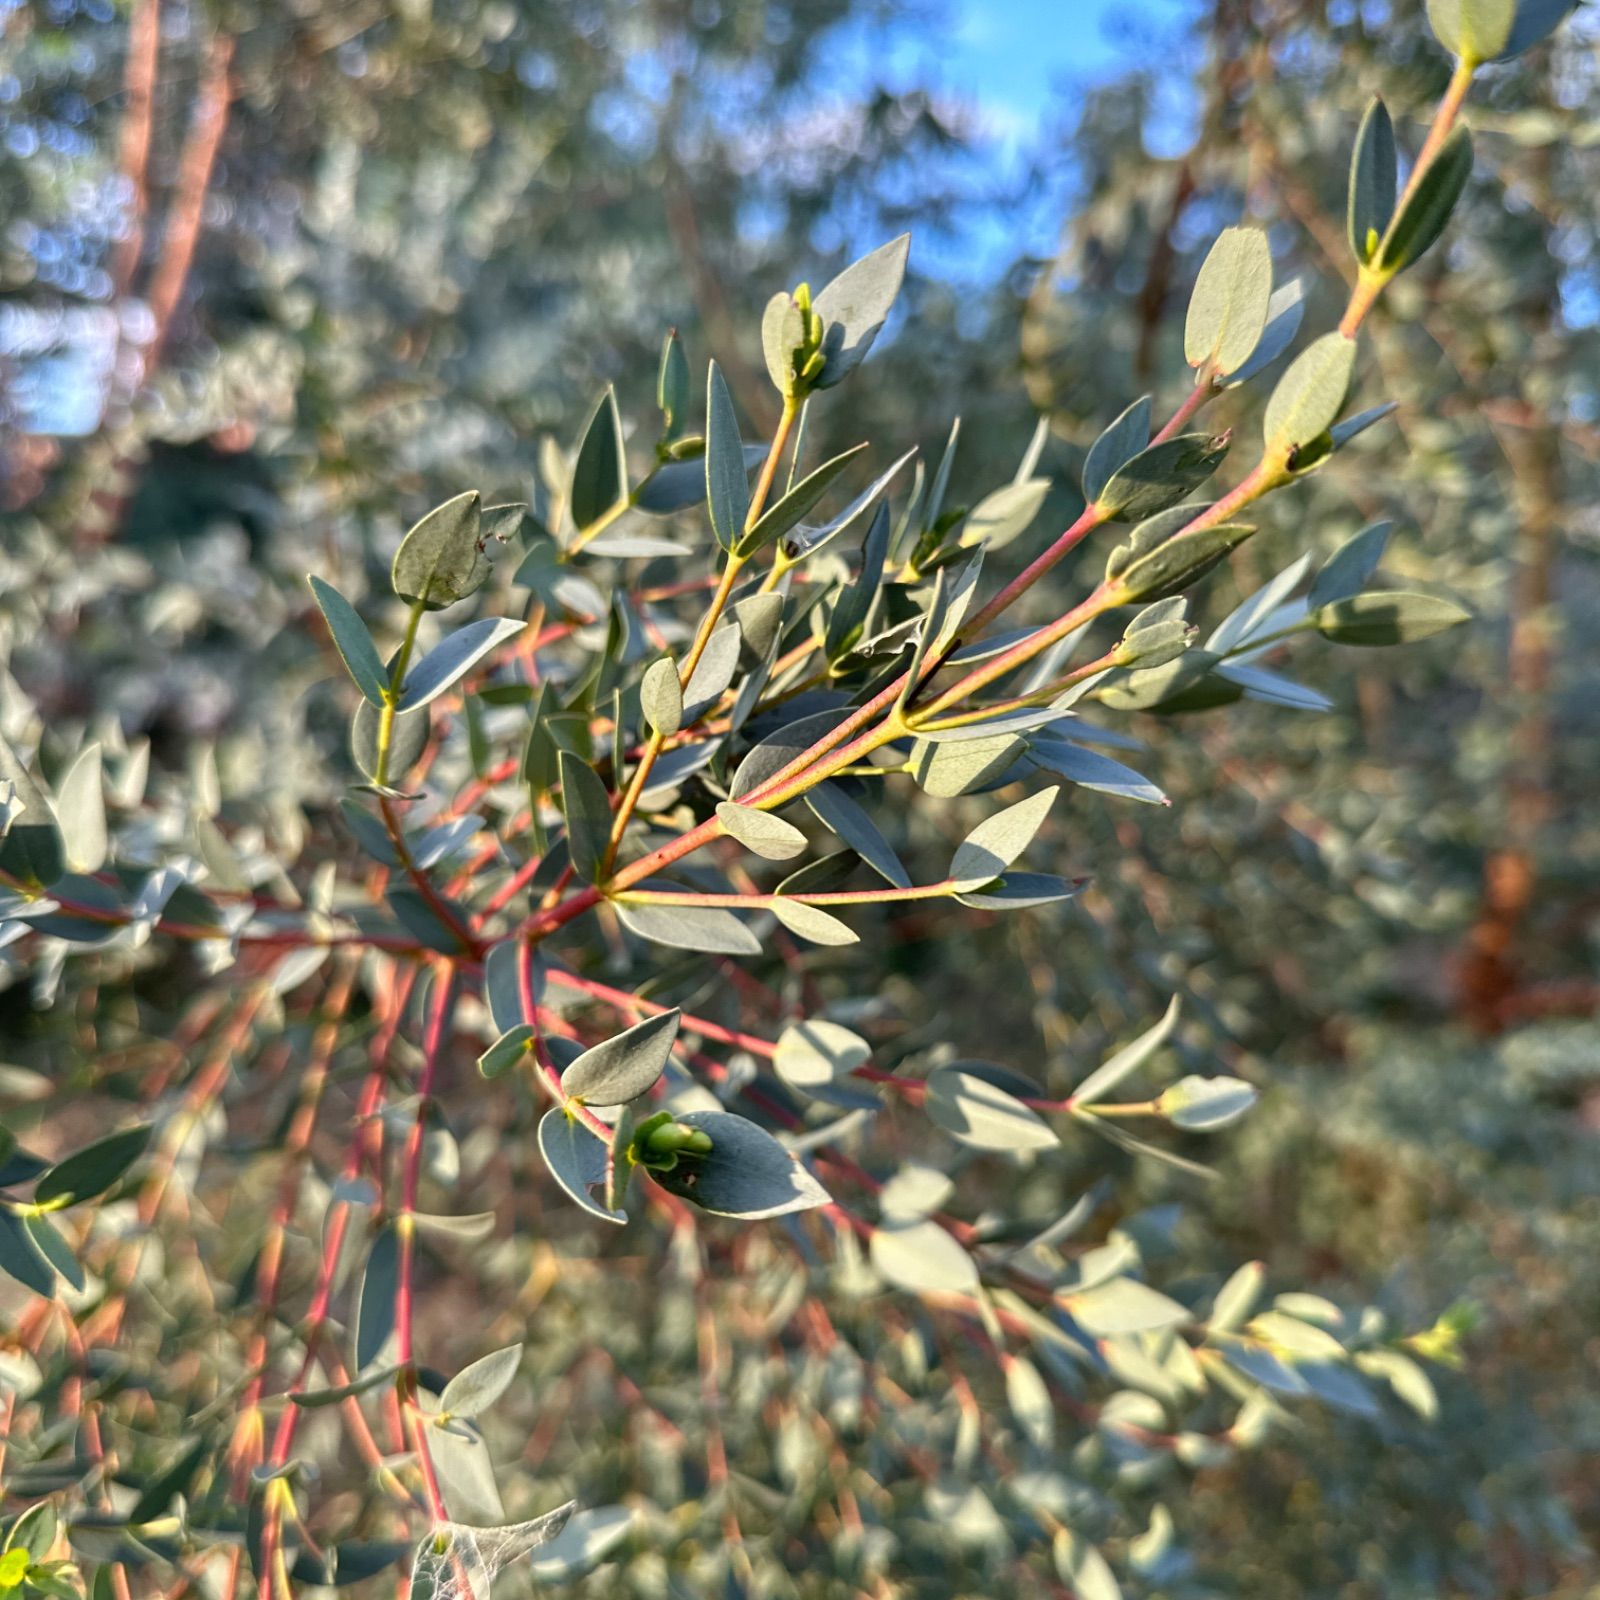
(636, 773)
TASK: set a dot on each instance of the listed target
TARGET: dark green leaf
(1161, 476)
(1152, 566)
(1373, 170)
(1020, 891)
(747, 1173)
(672, 386)
(21, 1257)
(1422, 218)
(1536, 20)
(778, 519)
(587, 808)
(92, 1170)
(1117, 446)
(1091, 770)
(727, 485)
(681, 484)
(1347, 570)
(375, 1304)
(355, 646)
(835, 810)
(600, 469)
(55, 1249)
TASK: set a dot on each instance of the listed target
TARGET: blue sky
(1012, 53)
(1014, 64)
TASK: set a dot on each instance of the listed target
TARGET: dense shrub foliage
(528, 1058)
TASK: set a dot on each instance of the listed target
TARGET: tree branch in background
(144, 44)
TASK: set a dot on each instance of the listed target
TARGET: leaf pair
(1382, 238)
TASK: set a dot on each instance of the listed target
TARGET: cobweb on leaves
(458, 1562)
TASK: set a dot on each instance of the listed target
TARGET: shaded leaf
(1420, 221)
(577, 1161)
(586, 805)
(453, 658)
(354, 643)
(1161, 476)
(996, 842)
(623, 1068)
(375, 1304)
(979, 1113)
(746, 1173)
(1381, 618)
(92, 1170)
(600, 469)
(855, 306)
(840, 814)
(727, 485)
(1374, 166)
(1117, 446)
(785, 513)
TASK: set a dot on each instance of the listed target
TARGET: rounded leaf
(746, 1173)
(1311, 394)
(1228, 309)
(916, 1254)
